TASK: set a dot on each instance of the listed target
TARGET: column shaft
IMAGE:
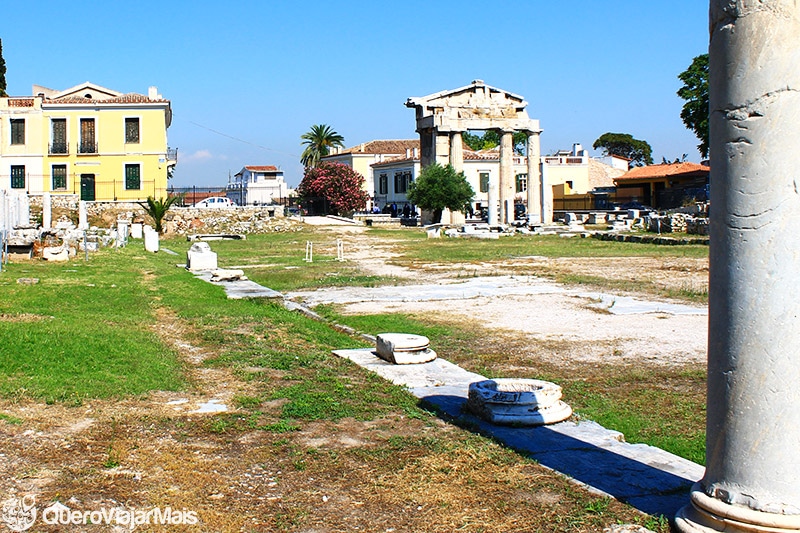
(534, 193)
(753, 429)
(506, 188)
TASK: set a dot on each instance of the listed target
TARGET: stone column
(47, 211)
(752, 479)
(456, 151)
(442, 148)
(534, 177)
(506, 188)
(83, 219)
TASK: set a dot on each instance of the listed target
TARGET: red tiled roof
(663, 171)
(131, 98)
(397, 146)
(263, 168)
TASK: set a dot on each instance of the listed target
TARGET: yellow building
(88, 141)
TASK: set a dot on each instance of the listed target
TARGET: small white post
(309, 252)
(339, 250)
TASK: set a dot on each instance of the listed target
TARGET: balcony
(172, 156)
(58, 149)
(87, 148)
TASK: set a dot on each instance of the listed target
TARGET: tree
(318, 142)
(2, 72)
(440, 187)
(157, 209)
(695, 91)
(491, 139)
(338, 184)
(624, 145)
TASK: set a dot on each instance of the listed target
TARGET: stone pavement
(648, 478)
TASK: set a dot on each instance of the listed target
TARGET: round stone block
(527, 402)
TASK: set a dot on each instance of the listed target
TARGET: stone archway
(443, 117)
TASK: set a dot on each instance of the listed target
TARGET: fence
(89, 186)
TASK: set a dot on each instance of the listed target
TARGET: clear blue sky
(260, 73)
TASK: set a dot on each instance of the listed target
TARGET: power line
(237, 139)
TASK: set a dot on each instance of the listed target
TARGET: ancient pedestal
(525, 402)
(150, 239)
(200, 257)
(752, 479)
(404, 348)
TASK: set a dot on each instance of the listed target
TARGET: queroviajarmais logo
(19, 514)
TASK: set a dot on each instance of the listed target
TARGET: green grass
(84, 331)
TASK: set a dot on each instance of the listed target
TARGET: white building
(257, 185)
(568, 171)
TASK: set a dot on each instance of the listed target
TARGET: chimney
(152, 93)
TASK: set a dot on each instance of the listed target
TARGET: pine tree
(2, 71)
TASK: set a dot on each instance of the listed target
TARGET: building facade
(257, 185)
(88, 141)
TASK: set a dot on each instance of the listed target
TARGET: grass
(89, 330)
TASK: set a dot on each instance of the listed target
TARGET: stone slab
(236, 290)
(648, 478)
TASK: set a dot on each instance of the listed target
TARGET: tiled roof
(397, 146)
(663, 171)
(131, 98)
(263, 168)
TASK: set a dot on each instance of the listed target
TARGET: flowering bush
(337, 183)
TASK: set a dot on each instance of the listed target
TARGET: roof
(131, 98)
(602, 175)
(396, 146)
(422, 100)
(669, 170)
(262, 168)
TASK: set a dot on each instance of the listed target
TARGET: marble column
(534, 192)
(456, 151)
(752, 479)
(47, 211)
(506, 186)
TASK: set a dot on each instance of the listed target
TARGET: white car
(216, 201)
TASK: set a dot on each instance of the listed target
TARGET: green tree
(440, 187)
(2, 72)
(157, 209)
(318, 141)
(341, 187)
(491, 138)
(624, 145)
(695, 92)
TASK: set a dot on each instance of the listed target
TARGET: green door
(87, 187)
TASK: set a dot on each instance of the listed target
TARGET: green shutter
(17, 176)
(59, 177)
(132, 177)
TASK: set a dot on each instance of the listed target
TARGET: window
(59, 136)
(132, 130)
(88, 142)
(401, 181)
(383, 184)
(17, 131)
(522, 182)
(133, 179)
(484, 181)
(59, 177)
(17, 176)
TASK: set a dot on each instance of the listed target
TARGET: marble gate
(442, 118)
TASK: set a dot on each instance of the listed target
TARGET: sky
(247, 78)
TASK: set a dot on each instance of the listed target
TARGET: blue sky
(247, 78)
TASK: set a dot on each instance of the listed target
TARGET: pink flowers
(339, 184)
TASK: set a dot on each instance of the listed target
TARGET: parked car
(215, 201)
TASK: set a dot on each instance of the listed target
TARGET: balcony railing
(58, 149)
(87, 148)
(172, 155)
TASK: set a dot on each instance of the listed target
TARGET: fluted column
(506, 188)
(752, 479)
(534, 192)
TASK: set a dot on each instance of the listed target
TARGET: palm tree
(157, 209)
(318, 141)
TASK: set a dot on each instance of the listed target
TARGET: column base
(706, 514)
